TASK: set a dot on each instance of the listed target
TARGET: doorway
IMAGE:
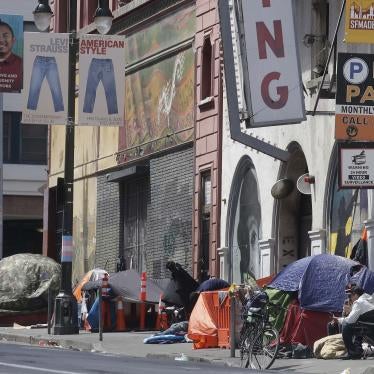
(134, 217)
(294, 214)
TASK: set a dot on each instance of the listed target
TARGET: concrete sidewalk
(131, 344)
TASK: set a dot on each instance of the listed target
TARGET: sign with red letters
(275, 86)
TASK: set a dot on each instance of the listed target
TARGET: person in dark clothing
(121, 264)
(360, 250)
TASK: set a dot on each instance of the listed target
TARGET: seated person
(361, 304)
(333, 327)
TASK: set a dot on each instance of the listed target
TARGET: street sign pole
(66, 309)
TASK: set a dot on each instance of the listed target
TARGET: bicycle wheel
(244, 343)
(264, 349)
(244, 351)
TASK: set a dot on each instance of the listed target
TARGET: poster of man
(11, 53)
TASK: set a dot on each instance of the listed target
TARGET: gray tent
(127, 284)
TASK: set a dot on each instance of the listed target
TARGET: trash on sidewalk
(176, 333)
(182, 357)
(48, 343)
(164, 339)
(329, 347)
(346, 371)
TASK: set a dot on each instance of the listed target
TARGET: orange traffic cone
(162, 320)
(105, 310)
(120, 315)
(143, 297)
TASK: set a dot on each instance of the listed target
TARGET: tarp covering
(92, 275)
(25, 279)
(93, 315)
(202, 321)
(320, 281)
(365, 279)
(127, 284)
(281, 299)
(303, 326)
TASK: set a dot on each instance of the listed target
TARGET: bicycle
(259, 341)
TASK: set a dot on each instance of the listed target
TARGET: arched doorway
(244, 223)
(294, 214)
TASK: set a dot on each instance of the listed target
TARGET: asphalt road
(21, 359)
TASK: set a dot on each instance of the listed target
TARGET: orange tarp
(91, 275)
(202, 325)
(264, 281)
(78, 289)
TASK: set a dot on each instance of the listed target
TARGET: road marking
(38, 369)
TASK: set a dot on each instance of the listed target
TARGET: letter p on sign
(355, 70)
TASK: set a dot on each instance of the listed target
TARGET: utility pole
(66, 309)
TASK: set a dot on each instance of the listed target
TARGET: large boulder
(24, 282)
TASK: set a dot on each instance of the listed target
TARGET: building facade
(138, 188)
(25, 163)
(171, 184)
(260, 234)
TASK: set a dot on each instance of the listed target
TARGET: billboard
(356, 165)
(273, 68)
(11, 53)
(359, 21)
(45, 94)
(354, 109)
(101, 80)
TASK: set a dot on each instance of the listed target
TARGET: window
(206, 69)
(33, 146)
(87, 12)
(205, 209)
(6, 137)
(26, 144)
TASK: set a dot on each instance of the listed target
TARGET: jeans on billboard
(101, 70)
(45, 67)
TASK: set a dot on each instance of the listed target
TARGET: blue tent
(320, 281)
(365, 279)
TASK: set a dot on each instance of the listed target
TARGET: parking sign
(354, 110)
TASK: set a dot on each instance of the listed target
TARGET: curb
(48, 342)
(182, 357)
(97, 347)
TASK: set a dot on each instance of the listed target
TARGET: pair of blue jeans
(45, 67)
(101, 70)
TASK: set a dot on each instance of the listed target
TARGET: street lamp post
(66, 314)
